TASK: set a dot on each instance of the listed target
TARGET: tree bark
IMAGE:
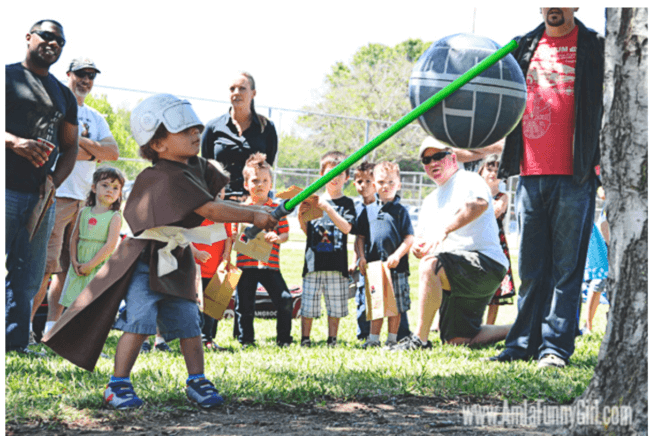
(621, 375)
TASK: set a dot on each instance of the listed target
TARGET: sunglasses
(49, 37)
(426, 160)
(83, 74)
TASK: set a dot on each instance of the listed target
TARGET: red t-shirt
(244, 261)
(549, 118)
(209, 268)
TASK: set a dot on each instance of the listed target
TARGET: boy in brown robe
(155, 271)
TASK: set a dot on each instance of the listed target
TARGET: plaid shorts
(402, 291)
(335, 288)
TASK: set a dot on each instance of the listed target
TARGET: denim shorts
(145, 309)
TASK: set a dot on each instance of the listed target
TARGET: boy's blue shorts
(146, 309)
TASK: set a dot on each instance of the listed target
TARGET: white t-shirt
(78, 183)
(440, 207)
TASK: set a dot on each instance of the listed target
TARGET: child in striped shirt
(258, 180)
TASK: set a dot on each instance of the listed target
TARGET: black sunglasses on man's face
(48, 36)
(426, 160)
(83, 74)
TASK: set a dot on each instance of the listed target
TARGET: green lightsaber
(286, 207)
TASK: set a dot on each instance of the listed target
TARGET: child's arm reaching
(337, 219)
(221, 211)
(108, 248)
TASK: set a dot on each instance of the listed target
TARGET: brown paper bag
(380, 297)
(218, 293)
(256, 248)
(309, 205)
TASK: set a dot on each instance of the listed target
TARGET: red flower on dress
(92, 221)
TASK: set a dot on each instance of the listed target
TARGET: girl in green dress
(96, 232)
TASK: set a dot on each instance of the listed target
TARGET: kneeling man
(462, 263)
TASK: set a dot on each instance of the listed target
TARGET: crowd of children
(181, 194)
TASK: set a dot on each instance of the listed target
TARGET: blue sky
(195, 48)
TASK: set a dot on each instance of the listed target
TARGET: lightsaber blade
(287, 207)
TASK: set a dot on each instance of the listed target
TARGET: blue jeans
(555, 218)
(25, 264)
(363, 326)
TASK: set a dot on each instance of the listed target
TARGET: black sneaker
(145, 348)
(331, 342)
(411, 342)
(305, 342)
(163, 347)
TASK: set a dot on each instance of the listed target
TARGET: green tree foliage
(119, 123)
(373, 85)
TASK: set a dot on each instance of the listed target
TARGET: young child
(209, 257)
(258, 181)
(96, 232)
(504, 294)
(155, 270)
(597, 265)
(365, 186)
(386, 234)
(326, 256)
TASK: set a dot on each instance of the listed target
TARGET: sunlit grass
(53, 390)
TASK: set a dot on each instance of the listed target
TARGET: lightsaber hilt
(279, 213)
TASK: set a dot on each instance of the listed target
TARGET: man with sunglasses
(41, 126)
(96, 143)
(462, 263)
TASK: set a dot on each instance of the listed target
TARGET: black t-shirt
(222, 142)
(327, 246)
(36, 107)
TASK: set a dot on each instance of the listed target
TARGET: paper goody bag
(380, 297)
(218, 293)
(256, 248)
(308, 208)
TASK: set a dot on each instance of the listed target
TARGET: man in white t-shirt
(462, 263)
(96, 143)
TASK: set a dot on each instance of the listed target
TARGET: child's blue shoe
(203, 393)
(121, 395)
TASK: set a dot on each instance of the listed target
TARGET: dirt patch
(412, 416)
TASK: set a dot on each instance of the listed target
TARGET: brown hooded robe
(165, 194)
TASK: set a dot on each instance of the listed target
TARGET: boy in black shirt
(326, 253)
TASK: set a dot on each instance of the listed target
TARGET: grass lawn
(54, 390)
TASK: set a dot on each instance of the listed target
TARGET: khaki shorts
(58, 248)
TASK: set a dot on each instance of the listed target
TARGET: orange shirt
(209, 268)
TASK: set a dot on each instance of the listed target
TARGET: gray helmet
(176, 114)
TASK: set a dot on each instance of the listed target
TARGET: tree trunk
(621, 375)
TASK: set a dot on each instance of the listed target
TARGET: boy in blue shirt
(386, 234)
(326, 253)
(364, 183)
